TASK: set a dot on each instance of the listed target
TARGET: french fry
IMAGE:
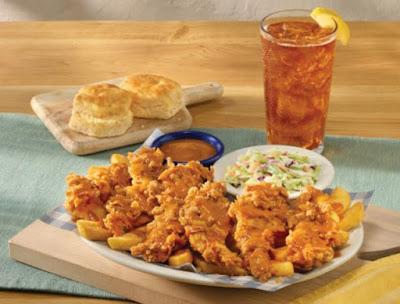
(125, 241)
(118, 158)
(282, 269)
(340, 195)
(280, 254)
(206, 267)
(352, 217)
(180, 257)
(342, 238)
(335, 216)
(92, 230)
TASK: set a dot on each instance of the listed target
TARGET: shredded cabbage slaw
(281, 168)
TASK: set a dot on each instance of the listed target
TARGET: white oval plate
(124, 258)
(324, 180)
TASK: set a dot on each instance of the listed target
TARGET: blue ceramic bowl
(211, 139)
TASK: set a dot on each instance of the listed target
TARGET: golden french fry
(335, 216)
(206, 267)
(352, 217)
(92, 230)
(125, 241)
(118, 158)
(180, 257)
(280, 254)
(203, 266)
(340, 195)
(341, 239)
(282, 269)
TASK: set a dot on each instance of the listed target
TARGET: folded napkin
(375, 282)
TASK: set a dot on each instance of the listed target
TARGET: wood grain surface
(41, 56)
(37, 57)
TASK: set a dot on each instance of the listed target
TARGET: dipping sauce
(184, 150)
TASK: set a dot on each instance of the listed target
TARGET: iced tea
(298, 61)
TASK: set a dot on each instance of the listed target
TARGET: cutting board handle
(202, 92)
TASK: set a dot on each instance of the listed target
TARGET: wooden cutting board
(55, 108)
(64, 253)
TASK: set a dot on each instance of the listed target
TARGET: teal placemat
(33, 167)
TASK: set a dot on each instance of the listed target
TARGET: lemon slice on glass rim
(327, 18)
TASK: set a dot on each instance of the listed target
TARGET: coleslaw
(281, 168)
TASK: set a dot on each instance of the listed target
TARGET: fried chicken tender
(307, 246)
(83, 199)
(177, 180)
(144, 196)
(131, 206)
(106, 178)
(260, 221)
(205, 218)
(146, 164)
(164, 234)
(315, 231)
(308, 208)
(305, 207)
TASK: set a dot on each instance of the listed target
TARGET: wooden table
(37, 57)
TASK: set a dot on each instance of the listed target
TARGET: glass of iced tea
(298, 60)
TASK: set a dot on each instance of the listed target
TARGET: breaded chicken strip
(146, 164)
(165, 234)
(106, 178)
(177, 180)
(205, 218)
(83, 199)
(131, 206)
(315, 231)
(260, 221)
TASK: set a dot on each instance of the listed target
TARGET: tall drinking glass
(298, 61)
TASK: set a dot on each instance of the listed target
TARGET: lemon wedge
(327, 18)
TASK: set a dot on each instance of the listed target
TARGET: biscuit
(157, 96)
(101, 110)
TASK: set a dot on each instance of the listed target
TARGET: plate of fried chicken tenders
(175, 221)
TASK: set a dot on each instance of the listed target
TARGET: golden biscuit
(157, 96)
(102, 110)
